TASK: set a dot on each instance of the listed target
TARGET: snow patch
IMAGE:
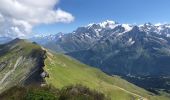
(168, 35)
(127, 27)
(108, 24)
(130, 41)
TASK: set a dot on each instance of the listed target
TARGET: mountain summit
(21, 62)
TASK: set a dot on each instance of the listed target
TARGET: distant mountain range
(118, 48)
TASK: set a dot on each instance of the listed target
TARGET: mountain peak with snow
(108, 24)
(105, 24)
(95, 31)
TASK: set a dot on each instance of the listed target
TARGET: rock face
(21, 62)
(134, 53)
(121, 49)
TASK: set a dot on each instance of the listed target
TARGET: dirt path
(140, 97)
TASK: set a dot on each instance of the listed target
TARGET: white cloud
(18, 17)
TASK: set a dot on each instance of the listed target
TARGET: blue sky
(122, 11)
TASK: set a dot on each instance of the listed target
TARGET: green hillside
(20, 63)
(64, 70)
(34, 92)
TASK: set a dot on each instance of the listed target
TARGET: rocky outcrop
(21, 63)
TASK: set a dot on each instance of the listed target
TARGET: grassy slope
(64, 71)
(17, 61)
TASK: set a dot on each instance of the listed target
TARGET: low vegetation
(76, 92)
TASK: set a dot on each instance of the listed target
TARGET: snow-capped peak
(161, 29)
(127, 27)
(108, 24)
(158, 24)
(90, 25)
(148, 24)
(105, 24)
(148, 27)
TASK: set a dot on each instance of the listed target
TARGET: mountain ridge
(92, 33)
(62, 70)
(18, 59)
(110, 39)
